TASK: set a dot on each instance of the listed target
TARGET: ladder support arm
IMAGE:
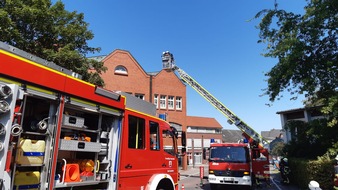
(169, 63)
(233, 119)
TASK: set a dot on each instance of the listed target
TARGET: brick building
(200, 131)
(166, 90)
(162, 88)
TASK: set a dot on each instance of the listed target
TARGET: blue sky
(213, 41)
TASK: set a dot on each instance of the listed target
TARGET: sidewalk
(194, 170)
(191, 180)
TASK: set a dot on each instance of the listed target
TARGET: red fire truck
(229, 163)
(236, 164)
(250, 164)
(59, 132)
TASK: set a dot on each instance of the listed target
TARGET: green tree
(306, 49)
(52, 33)
(278, 149)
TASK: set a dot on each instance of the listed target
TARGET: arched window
(121, 70)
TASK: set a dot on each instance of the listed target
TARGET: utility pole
(202, 148)
(193, 152)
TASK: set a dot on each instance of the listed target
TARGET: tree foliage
(278, 149)
(52, 33)
(306, 49)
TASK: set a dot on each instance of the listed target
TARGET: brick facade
(133, 79)
(125, 74)
(125, 82)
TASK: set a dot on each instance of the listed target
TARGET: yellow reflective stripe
(9, 81)
(83, 102)
(30, 87)
(40, 90)
(110, 109)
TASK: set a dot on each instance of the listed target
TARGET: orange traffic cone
(182, 187)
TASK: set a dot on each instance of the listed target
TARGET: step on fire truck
(59, 132)
(245, 163)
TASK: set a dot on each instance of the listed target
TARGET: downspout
(151, 89)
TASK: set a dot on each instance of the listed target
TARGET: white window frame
(163, 102)
(171, 101)
(178, 103)
(120, 69)
(156, 100)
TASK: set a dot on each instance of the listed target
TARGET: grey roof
(298, 109)
(139, 104)
(231, 136)
(272, 134)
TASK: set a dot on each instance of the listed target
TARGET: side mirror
(174, 131)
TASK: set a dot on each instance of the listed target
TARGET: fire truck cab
(237, 164)
(229, 164)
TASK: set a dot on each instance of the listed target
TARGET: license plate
(228, 179)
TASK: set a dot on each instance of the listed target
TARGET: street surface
(190, 180)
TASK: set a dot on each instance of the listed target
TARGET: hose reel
(5, 91)
(36, 125)
(4, 106)
(16, 130)
(43, 124)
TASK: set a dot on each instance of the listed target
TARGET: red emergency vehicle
(229, 163)
(59, 132)
(236, 164)
(257, 164)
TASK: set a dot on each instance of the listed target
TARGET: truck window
(229, 154)
(154, 136)
(136, 132)
(168, 140)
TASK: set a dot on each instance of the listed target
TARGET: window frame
(139, 132)
(120, 70)
(171, 102)
(154, 133)
(156, 100)
(178, 103)
(163, 102)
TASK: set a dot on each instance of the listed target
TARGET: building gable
(124, 73)
(166, 79)
(123, 57)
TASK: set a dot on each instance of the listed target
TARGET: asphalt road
(190, 180)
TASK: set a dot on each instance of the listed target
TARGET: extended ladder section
(168, 63)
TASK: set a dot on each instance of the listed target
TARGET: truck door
(134, 167)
